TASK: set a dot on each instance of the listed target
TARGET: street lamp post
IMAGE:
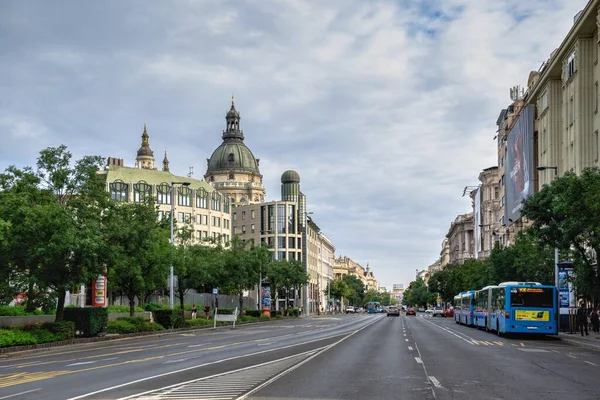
(556, 248)
(171, 272)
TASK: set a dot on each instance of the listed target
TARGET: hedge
(132, 325)
(170, 319)
(89, 321)
(37, 333)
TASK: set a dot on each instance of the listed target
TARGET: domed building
(232, 168)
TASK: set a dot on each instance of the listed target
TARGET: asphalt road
(345, 357)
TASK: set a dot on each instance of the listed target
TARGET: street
(331, 357)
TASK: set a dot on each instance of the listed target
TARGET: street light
(171, 276)
(556, 248)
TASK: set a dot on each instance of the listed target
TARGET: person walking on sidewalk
(595, 320)
(582, 322)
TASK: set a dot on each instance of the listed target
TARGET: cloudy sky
(386, 109)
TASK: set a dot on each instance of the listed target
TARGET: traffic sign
(215, 290)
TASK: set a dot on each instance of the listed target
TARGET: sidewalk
(591, 342)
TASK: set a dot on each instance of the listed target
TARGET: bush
(155, 306)
(131, 325)
(18, 311)
(122, 309)
(37, 333)
(227, 311)
(89, 321)
(16, 337)
(169, 319)
(63, 329)
(275, 313)
(253, 313)
(198, 322)
(294, 312)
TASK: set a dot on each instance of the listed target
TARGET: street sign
(215, 290)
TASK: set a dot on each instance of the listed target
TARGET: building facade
(343, 266)
(232, 169)
(460, 239)
(198, 205)
(486, 212)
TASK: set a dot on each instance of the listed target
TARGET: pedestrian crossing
(225, 386)
(487, 343)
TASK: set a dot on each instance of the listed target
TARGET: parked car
(393, 311)
(350, 310)
(411, 311)
(439, 311)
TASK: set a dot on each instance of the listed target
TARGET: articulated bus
(517, 307)
(463, 308)
(373, 307)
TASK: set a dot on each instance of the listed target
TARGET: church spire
(233, 123)
(166, 163)
(145, 155)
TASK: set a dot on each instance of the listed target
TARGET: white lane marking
(470, 340)
(174, 361)
(410, 348)
(569, 355)
(435, 382)
(404, 334)
(18, 394)
(214, 362)
(406, 340)
(265, 344)
(591, 363)
(198, 345)
(80, 363)
(417, 359)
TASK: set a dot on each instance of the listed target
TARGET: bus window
(531, 297)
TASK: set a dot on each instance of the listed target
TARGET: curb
(9, 352)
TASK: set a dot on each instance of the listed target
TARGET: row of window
(120, 191)
(201, 235)
(252, 215)
(199, 220)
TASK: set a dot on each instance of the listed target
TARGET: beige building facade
(198, 206)
(343, 266)
(461, 239)
(486, 212)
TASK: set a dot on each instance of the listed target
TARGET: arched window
(119, 191)
(201, 198)
(216, 201)
(231, 176)
(141, 192)
(184, 196)
(163, 193)
(230, 157)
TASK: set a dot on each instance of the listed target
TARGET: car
(429, 311)
(411, 311)
(350, 310)
(439, 311)
(393, 311)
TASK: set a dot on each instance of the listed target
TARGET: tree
(241, 271)
(139, 249)
(357, 290)
(418, 294)
(339, 289)
(57, 241)
(565, 215)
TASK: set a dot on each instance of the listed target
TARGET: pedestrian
(194, 311)
(595, 320)
(582, 323)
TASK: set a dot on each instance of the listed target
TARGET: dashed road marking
(435, 382)
(81, 363)
(591, 363)
(418, 359)
(410, 348)
(406, 340)
(572, 356)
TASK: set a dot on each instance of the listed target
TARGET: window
(119, 191)
(187, 218)
(243, 229)
(201, 198)
(141, 192)
(234, 230)
(199, 235)
(216, 201)
(235, 216)
(281, 218)
(281, 255)
(180, 217)
(184, 196)
(226, 205)
(243, 215)
(291, 218)
(163, 193)
(596, 145)
(231, 176)
(571, 111)
(571, 67)
(496, 192)
(252, 216)
(230, 157)
(281, 242)
(291, 243)
(291, 255)
(252, 228)
(544, 101)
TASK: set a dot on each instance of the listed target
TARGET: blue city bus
(373, 307)
(482, 311)
(517, 307)
(523, 307)
(464, 303)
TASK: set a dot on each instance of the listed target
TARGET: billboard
(477, 214)
(519, 175)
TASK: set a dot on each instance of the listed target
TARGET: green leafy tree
(241, 271)
(357, 290)
(418, 294)
(339, 289)
(565, 215)
(139, 248)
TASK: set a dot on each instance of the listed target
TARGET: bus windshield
(531, 297)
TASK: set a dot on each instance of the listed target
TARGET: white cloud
(386, 109)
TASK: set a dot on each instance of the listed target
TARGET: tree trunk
(287, 302)
(131, 304)
(60, 307)
(181, 298)
(241, 294)
(30, 305)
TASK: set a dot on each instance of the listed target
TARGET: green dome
(290, 177)
(232, 155)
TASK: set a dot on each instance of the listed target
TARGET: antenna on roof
(191, 172)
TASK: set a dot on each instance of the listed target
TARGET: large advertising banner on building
(478, 222)
(519, 175)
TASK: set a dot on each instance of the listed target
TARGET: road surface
(343, 357)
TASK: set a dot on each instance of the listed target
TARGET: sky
(386, 109)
